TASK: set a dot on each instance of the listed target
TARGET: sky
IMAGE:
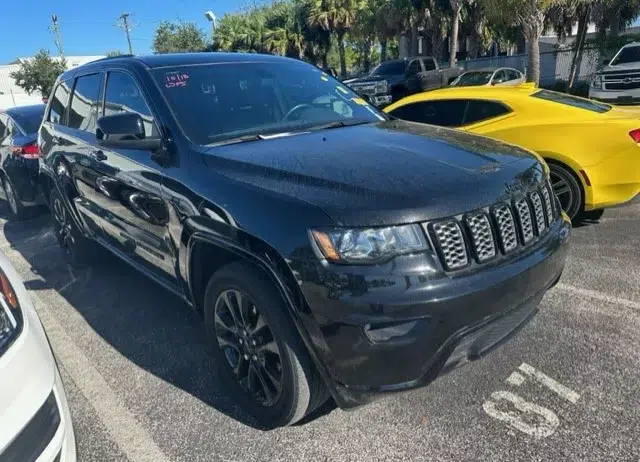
(88, 27)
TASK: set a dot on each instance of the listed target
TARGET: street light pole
(211, 17)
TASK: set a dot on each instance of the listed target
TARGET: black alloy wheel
(62, 227)
(260, 358)
(249, 346)
(567, 189)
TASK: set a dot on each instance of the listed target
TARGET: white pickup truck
(618, 82)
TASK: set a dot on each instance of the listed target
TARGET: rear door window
(568, 100)
(124, 95)
(58, 107)
(477, 111)
(83, 111)
(445, 113)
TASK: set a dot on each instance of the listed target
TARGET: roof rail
(106, 58)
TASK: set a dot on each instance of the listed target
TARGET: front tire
(593, 215)
(260, 356)
(567, 189)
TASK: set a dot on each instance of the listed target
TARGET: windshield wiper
(237, 139)
(339, 124)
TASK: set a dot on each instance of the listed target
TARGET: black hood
(382, 173)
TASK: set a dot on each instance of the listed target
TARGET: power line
(126, 26)
(56, 31)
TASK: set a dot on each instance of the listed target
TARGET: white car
(35, 424)
(618, 82)
(503, 76)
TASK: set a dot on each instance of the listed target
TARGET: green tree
(178, 37)
(285, 29)
(114, 53)
(530, 15)
(39, 74)
(336, 17)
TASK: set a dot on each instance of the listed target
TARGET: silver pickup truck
(397, 78)
(618, 82)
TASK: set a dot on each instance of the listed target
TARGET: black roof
(179, 59)
(31, 109)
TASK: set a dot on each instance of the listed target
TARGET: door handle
(98, 155)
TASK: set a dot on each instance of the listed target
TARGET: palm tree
(284, 30)
(336, 17)
(364, 29)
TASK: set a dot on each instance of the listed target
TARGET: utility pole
(126, 26)
(56, 31)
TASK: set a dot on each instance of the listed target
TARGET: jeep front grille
(497, 230)
(451, 244)
(506, 228)
(524, 217)
(538, 211)
(481, 236)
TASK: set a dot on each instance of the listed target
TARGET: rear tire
(280, 360)
(18, 211)
(77, 250)
(567, 189)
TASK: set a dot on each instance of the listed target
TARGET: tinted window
(59, 103)
(390, 68)
(627, 55)
(123, 95)
(219, 102)
(29, 121)
(483, 110)
(414, 67)
(84, 102)
(574, 101)
(445, 113)
(472, 79)
(429, 64)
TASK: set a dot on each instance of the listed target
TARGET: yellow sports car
(592, 149)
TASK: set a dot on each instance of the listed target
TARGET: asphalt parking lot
(138, 376)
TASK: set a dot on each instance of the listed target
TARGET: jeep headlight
(369, 245)
(382, 86)
(597, 81)
(10, 314)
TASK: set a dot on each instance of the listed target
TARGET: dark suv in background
(329, 249)
(392, 80)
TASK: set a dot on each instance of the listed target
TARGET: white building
(12, 95)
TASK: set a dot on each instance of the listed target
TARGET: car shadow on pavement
(144, 322)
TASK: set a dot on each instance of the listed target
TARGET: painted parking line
(597, 295)
(126, 431)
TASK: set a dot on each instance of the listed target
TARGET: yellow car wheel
(567, 189)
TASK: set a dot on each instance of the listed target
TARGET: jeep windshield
(219, 103)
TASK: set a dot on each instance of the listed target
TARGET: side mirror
(126, 131)
(605, 62)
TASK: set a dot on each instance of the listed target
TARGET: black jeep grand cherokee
(330, 249)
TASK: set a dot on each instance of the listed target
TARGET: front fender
(259, 253)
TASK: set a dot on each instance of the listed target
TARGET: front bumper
(391, 327)
(619, 97)
(35, 423)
